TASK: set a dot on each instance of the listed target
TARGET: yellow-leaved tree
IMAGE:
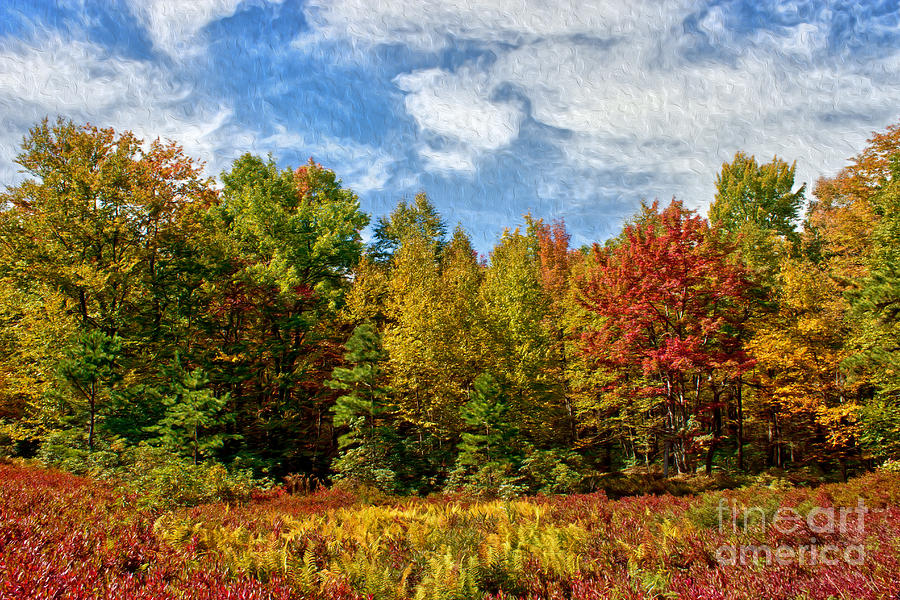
(804, 403)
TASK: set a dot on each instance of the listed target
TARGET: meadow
(68, 537)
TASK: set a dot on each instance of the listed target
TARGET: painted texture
(572, 109)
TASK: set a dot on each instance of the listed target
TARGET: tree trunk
(716, 430)
(666, 459)
(607, 455)
(774, 442)
(740, 431)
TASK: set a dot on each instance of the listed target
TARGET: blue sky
(573, 109)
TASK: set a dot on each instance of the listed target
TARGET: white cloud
(612, 74)
(449, 160)
(427, 24)
(173, 25)
(681, 121)
(82, 81)
(458, 108)
(361, 167)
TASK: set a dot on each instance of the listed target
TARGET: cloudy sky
(565, 108)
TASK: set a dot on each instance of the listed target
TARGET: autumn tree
(95, 239)
(410, 335)
(555, 262)
(807, 407)
(672, 305)
(366, 299)
(850, 239)
(874, 357)
(435, 339)
(36, 331)
(842, 217)
(867, 172)
(521, 353)
(100, 220)
(277, 258)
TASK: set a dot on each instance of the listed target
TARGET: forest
(157, 325)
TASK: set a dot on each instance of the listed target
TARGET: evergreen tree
(487, 414)
(365, 410)
(418, 218)
(489, 453)
(756, 206)
(90, 369)
(875, 301)
(758, 195)
(193, 414)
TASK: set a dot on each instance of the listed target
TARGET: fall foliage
(145, 309)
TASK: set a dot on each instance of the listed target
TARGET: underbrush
(156, 477)
(67, 537)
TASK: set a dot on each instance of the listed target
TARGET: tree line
(246, 323)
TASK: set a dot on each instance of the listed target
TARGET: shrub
(365, 465)
(10, 436)
(158, 478)
(67, 537)
(553, 472)
(540, 472)
(890, 466)
(161, 479)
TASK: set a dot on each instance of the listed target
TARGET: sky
(565, 109)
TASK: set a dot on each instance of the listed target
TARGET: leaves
(249, 324)
(672, 307)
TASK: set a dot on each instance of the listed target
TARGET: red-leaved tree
(672, 303)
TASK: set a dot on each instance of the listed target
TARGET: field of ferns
(65, 537)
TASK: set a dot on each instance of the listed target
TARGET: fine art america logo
(844, 525)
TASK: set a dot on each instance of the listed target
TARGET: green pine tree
(365, 411)
(490, 452)
(89, 368)
(417, 219)
(487, 413)
(193, 415)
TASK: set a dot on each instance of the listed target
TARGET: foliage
(583, 546)
(416, 219)
(191, 411)
(278, 250)
(88, 368)
(486, 413)
(157, 477)
(62, 536)
(799, 352)
(366, 449)
(757, 195)
(672, 306)
(167, 332)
